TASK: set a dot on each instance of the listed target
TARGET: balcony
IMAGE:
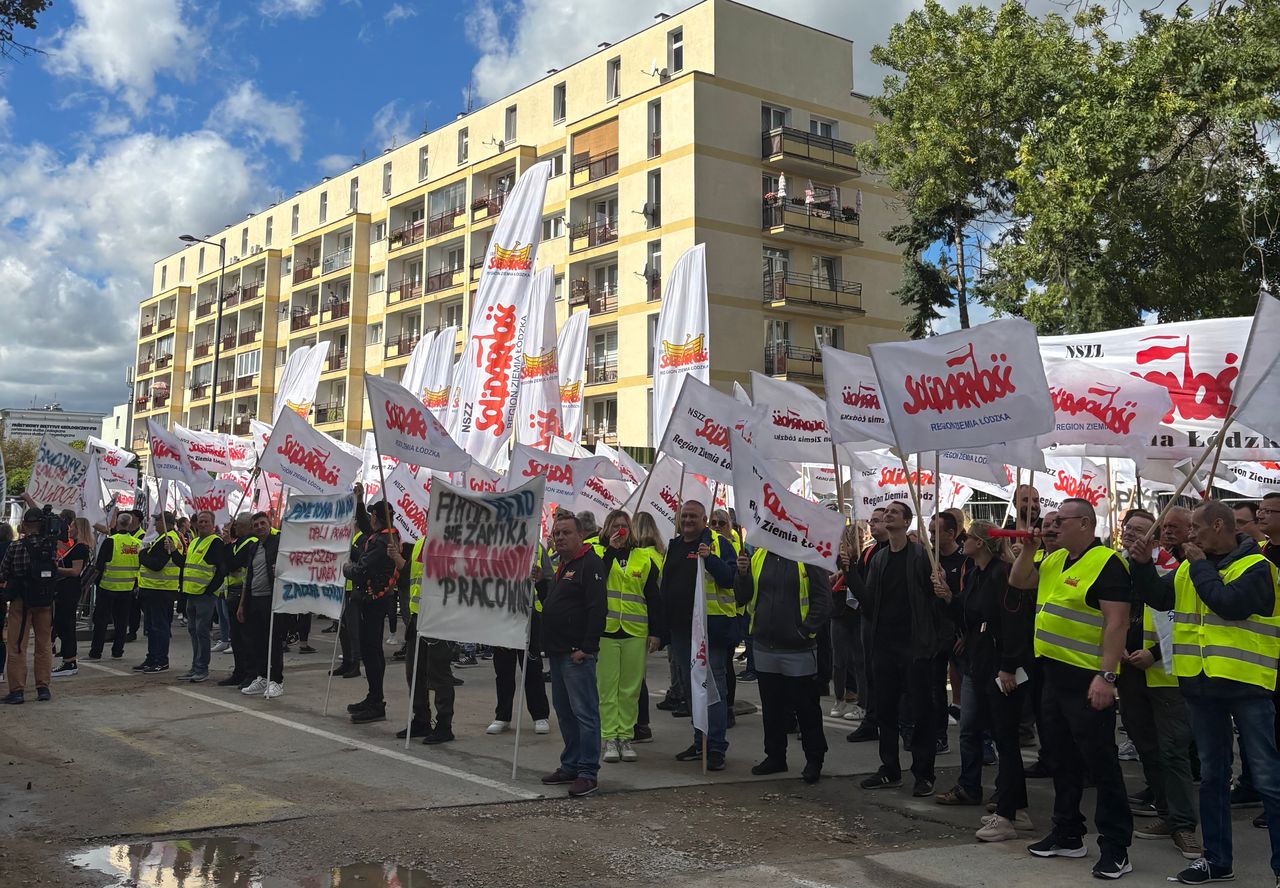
(336, 311)
(336, 261)
(598, 301)
(805, 224)
(476, 268)
(158, 401)
(240, 426)
(204, 309)
(588, 169)
(653, 286)
(250, 292)
(203, 349)
(591, 437)
(140, 402)
(815, 291)
(403, 291)
(304, 272)
(166, 322)
(226, 385)
(199, 391)
(145, 366)
(230, 298)
(487, 206)
(228, 341)
(444, 279)
(401, 345)
(443, 223)
(147, 328)
(335, 361)
(164, 361)
(327, 413)
(302, 319)
(603, 371)
(406, 235)
(245, 383)
(785, 359)
(248, 336)
(807, 152)
(585, 235)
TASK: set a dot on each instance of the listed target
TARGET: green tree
(18, 15)
(19, 456)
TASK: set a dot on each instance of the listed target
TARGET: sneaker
(942, 746)
(1155, 828)
(220, 647)
(1145, 797)
(769, 766)
(141, 667)
(744, 707)
(1143, 810)
(66, 670)
(497, 727)
(692, 754)
(1187, 844)
(257, 686)
(996, 829)
(43, 695)
(304, 649)
(668, 704)
(642, 734)
(542, 726)
(186, 676)
(363, 704)
(1054, 846)
(1202, 871)
(441, 734)
(922, 789)
(612, 751)
(375, 712)
(228, 650)
(199, 677)
(747, 676)
(1128, 752)
(627, 752)
(989, 756)
(682, 712)
(415, 729)
(13, 698)
(1035, 770)
(838, 710)
(156, 667)
(866, 731)
(274, 689)
(1112, 865)
(881, 781)
(558, 778)
(582, 787)
(715, 761)
(956, 796)
(854, 713)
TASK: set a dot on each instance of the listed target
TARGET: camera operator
(29, 575)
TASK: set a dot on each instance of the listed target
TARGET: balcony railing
(335, 261)
(229, 341)
(817, 290)
(199, 390)
(653, 283)
(158, 401)
(250, 292)
(476, 268)
(326, 413)
(140, 402)
(785, 359)
(653, 215)
(487, 206)
(147, 328)
(609, 435)
(166, 321)
(590, 168)
(444, 279)
(244, 383)
(223, 427)
(204, 309)
(406, 235)
(655, 144)
(335, 361)
(203, 349)
(248, 336)
(302, 319)
(598, 301)
(399, 346)
(603, 371)
(335, 311)
(788, 142)
(404, 290)
(442, 223)
(230, 298)
(163, 361)
(305, 271)
(795, 215)
(145, 366)
(240, 426)
(226, 385)
(586, 235)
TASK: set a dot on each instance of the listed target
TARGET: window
(270, 226)
(613, 79)
(244, 241)
(375, 334)
(558, 96)
(422, 163)
(354, 200)
(164, 277)
(509, 130)
(655, 128)
(557, 163)
(821, 127)
(653, 270)
(675, 50)
(826, 271)
(386, 178)
(293, 231)
(248, 363)
(772, 117)
(824, 335)
(602, 357)
(559, 287)
(464, 145)
(182, 268)
(604, 417)
(281, 357)
(606, 279)
(378, 233)
(324, 206)
(286, 266)
(776, 261)
(377, 282)
(451, 315)
(653, 206)
(200, 262)
(777, 333)
(653, 337)
(768, 184)
(453, 259)
(552, 227)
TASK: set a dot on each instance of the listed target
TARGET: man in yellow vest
(1226, 642)
(117, 578)
(239, 553)
(158, 578)
(787, 603)
(203, 569)
(1083, 596)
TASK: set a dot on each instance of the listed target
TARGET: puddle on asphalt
(229, 863)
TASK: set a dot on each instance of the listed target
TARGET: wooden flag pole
(1185, 481)
(1013, 498)
(937, 503)
(914, 490)
(835, 465)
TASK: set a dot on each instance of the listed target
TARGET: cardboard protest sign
(315, 544)
(58, 475)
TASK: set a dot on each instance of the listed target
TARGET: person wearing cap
(27, 574)
(117, 577)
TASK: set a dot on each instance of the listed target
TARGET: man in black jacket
(573, 617)
(375, 581)
(258, 561)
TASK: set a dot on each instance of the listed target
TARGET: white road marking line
(793, 878)
(347, 741)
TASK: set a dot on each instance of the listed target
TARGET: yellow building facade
(721, 125)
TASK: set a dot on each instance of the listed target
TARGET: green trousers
(619, 674)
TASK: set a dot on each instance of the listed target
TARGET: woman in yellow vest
(644, 530)
(630, 632)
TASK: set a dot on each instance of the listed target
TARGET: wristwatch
(1108, 677)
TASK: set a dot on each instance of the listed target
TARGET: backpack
(40, 585)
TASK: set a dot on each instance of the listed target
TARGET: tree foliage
(19, 456)
(15, 15)
(1079, 179)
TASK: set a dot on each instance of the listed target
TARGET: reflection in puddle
(229, 863)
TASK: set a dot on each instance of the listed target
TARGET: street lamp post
(217, 324)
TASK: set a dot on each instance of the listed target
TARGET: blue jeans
(199, 612)
(224, 621)
(577, 703)
(1211, 722)
(157, 612)
(717, 713)
(971, 734)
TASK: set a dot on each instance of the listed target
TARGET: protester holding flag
(788, 603)
(71, 565)
(117, 567)
(427, 658)
(374, 581)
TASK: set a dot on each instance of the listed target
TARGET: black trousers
(783, 697)
(1002, 716)
(867, 695)
(1076, 737)
(239, 641)
(258, 632)
(349, 633)
(65, 605)
(896, 672)
(435, 676)
(372, 613)
(506, 662)
(113, 608)
(135, 614)
(941, 664)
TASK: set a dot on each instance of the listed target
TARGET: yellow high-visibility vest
(166, 579)
(721, 601)
(757, 565)
(1203, 642)
(1157, 677)
(121, 572)
(197, 573)
(237, 577)
(625, 586)
(1067, 629)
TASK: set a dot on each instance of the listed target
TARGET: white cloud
(247, 112)
(332, 164)
(398, 12)
(391, 125)
(77, 243)
(123, 45)
(294, 8)
(6, 114)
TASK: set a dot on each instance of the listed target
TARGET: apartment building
(722, 125)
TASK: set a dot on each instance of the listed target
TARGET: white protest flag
(697, 432)
(702, 687)
(315, 544)
(965, 464)
(91, 494)
(696, 490)
(407, 430)
(630, 470)
(572, 354)
(306, 460)
(208, 450)
(58, 475)
(439, 373)
(855, 410)
(415, 372)
(538, 401)
(1024, 453)
(452, 418)
(600, 497)
(565, 447)
(660, 495)
(240, 452)
(794, 425)
(774, 518)
(480, 591)
(877, 487)
(681, 343)
(371, 473)
(1256, 396)
(297, 391)
(259, 433)
(114, 473)
(478, 479)
(169, 458)
(964, 389)
(565, 475)
(1252, 479)
(498, 320)
(1117, 413)
(409, 492)
(219, 496)
(112, 460)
